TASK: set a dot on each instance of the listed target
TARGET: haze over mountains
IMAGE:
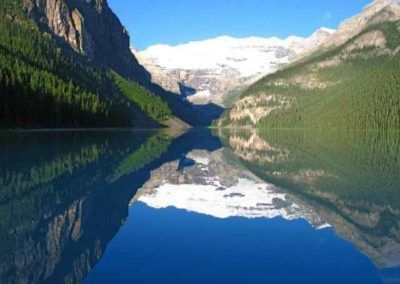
(207, 70)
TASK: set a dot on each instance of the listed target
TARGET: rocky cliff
(90, 28)
(377, 12)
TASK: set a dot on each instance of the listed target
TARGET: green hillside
(45, 84)
(353, 86)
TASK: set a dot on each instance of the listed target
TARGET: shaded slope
(46, 82)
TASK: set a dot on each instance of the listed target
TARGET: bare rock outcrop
(256, 108)
(377, 12)
(89, 28)
(167, 81)
(371, 39)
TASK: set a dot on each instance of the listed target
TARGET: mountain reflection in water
(65, 199)
(351, 180)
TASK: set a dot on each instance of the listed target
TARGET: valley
(213, 69)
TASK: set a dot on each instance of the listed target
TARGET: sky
(175, 22)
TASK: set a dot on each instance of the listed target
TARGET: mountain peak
(326, 30)
(376, 12)
(380, 4)
(249, 55)
(386, 1)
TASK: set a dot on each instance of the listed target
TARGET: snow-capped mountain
(209, 69)
(249, 56)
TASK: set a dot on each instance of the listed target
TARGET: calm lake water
(199, 207)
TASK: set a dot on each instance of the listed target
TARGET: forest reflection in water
(351, 179)
(65, 195)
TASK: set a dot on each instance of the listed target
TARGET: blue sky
(178, 21)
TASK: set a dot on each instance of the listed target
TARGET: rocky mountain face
(159, 77)
(90, 28)
(377, 12)
(205, 71)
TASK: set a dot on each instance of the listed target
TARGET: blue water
(69, 211)
(176, 246)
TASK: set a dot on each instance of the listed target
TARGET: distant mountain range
(205, 71)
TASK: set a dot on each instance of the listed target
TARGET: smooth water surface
(199, 207)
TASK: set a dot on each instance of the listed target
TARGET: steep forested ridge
(355, 85)
(45, 83)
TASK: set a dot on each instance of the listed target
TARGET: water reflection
(64, 197)
(351, 180)
(212, 183)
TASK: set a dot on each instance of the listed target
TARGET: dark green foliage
(153, 148)
(360, 167)
(351, 174)
(43, 162)
(152, 105)
(46, 85)
(58, 190)
(362, 91)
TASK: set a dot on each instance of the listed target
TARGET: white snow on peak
(327, 30)
(250, 56)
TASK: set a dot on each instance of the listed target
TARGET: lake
(223, 206)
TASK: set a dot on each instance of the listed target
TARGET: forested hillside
(45, 83)
(355, 85)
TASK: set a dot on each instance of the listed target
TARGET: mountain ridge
(214, 67)
(349, 81)
(92, 29)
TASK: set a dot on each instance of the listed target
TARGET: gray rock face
(377, 12)
(90, 28)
